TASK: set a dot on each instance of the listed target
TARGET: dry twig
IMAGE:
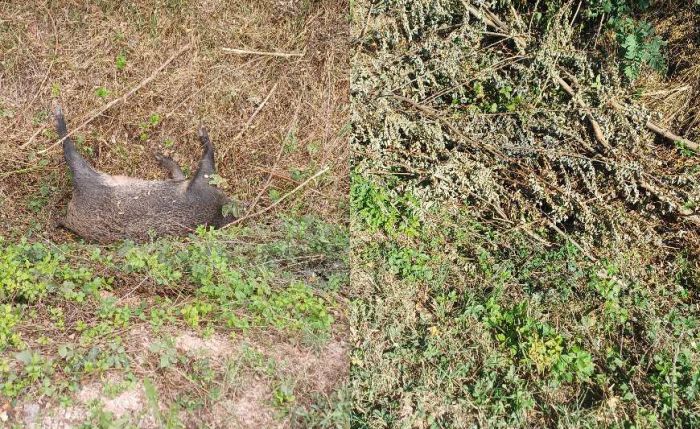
(673, 137)
(255, 113)
(274, 166)
(284, 197)
(263, 53)
(121, 99)
(597, 130)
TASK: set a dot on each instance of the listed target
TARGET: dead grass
(72, 49)
(469, 156)
(276, 121)
(677, 98)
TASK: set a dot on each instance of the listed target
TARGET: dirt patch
(249, 410)
(318, 371)
(311, 372)
(141, 340)
(58, 418)
(129, 404)
(216, 346)
(248, 398)
(131, 400)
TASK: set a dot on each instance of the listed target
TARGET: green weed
(638, 43)
(148, 126)
(9, 318)
(379, 210)
(536, 344)
(120, 61)
(224, 286)
(102, 92)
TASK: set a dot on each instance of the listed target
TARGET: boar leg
(80, 168)
(206, 164)
(171, 166)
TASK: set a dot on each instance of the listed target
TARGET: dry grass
(677, 98)
(488, 216)
(270, 81)
(72, 49)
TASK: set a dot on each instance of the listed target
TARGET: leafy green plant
(28, 271)
(274, 194)
(102, 92)
(640, 47)
(167, 354)
(99, 418)
(192, 313)
(152, 260)
(119, 316)
(150, 124)
(6, 113)
(39, 200)
(9, 317)
(378, 209)
(233, 208)
(676, 381)
(537, 344)
(120, 61)
(35, 366)
(489, 98)
(283, 394)
(409, 263)
(291, 143)
(218, 181)
(160, 316)
(55, 90)
(639, 44)
(684, 149)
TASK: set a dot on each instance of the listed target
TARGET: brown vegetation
(251, 102)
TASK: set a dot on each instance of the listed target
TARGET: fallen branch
(31, 139)
(491, 20)
(263, 53)
(597, 130)
(663, 132)
(420, 107)
(121, 99)
(687, 213)
(284, 197)
(673, 137)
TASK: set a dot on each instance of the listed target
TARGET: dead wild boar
(107, 208)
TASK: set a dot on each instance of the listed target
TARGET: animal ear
(206, 164)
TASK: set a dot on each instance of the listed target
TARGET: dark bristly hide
(107, 208)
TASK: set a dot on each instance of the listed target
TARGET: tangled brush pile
(504, 107)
